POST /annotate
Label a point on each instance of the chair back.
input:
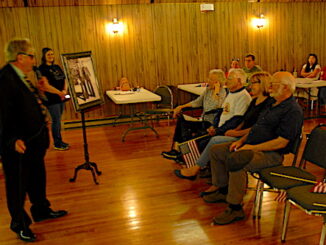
(166, 95)
(314, 151)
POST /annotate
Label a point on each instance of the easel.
(87, 165)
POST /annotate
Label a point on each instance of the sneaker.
(172, 155)
(65, 144)
(228, 216)
(215, 197)
(61, 148)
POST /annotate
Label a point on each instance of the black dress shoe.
(25, 234)
(49, 215)
(178, 173)
(205, 193)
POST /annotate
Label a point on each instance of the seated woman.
(211, 99)
(235, 64)
(259, 91)
(309, 72)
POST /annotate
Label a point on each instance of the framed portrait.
(84, 88)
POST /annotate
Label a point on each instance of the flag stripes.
(319, 187)
(190, 153)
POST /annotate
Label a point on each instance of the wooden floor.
(140, 201)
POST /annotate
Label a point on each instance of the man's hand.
(20, 146)
(211, 131)
(43, 84)
(236, 145)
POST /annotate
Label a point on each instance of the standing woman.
(55, 104)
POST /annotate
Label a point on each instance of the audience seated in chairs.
(264, 146)
(260, 83)
(210, 100)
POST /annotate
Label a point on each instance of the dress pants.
(25, 173)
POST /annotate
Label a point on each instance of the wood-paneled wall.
(171, 43)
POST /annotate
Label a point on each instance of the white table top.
(192, 88)
(307, 83)
(130, 97)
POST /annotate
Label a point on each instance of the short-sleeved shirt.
(236, 104)
(253, 112)
(311, 70)
(283, 120)
(253, 70)
(209, 101)
(56, 78)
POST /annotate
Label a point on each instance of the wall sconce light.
(259, 22)
(115, 27)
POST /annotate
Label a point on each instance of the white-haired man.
(235, 103)
(24, 139)
(269, 139)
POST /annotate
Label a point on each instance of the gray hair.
(238, 73)
(219, 73)
(286, 78)
(16, 46)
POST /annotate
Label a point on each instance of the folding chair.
(311, 203)
(276, 183)
(165, 106)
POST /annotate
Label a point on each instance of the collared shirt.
(21, 75)
(283, 120)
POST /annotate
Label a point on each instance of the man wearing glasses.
(250, 66)
(24, 140)
(269, 139)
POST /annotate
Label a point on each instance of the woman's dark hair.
(308, 69)
(44, 51)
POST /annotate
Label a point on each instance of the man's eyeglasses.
(32, 56)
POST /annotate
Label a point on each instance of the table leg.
(144, 121)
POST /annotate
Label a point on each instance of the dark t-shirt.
(253, 112)
(56, 78)
(283, 120)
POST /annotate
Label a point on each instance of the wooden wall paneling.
(160, 41)
(146, 59)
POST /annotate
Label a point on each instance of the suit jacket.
(20, 114)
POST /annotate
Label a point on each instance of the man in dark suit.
(24, 140)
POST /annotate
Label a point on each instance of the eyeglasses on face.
(32, 56)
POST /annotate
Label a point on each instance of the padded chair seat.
(304, 198)
(281, 182)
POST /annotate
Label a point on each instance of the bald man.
(269, 139)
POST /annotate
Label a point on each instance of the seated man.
(250, 67)
(264, 146)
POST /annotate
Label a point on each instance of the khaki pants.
(230, 168)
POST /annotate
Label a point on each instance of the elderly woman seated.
(210, 100)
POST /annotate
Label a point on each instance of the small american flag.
(319, 187)
(281, 196)
(190, 152)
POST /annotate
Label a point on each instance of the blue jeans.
(56, 112)
(204, 157)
